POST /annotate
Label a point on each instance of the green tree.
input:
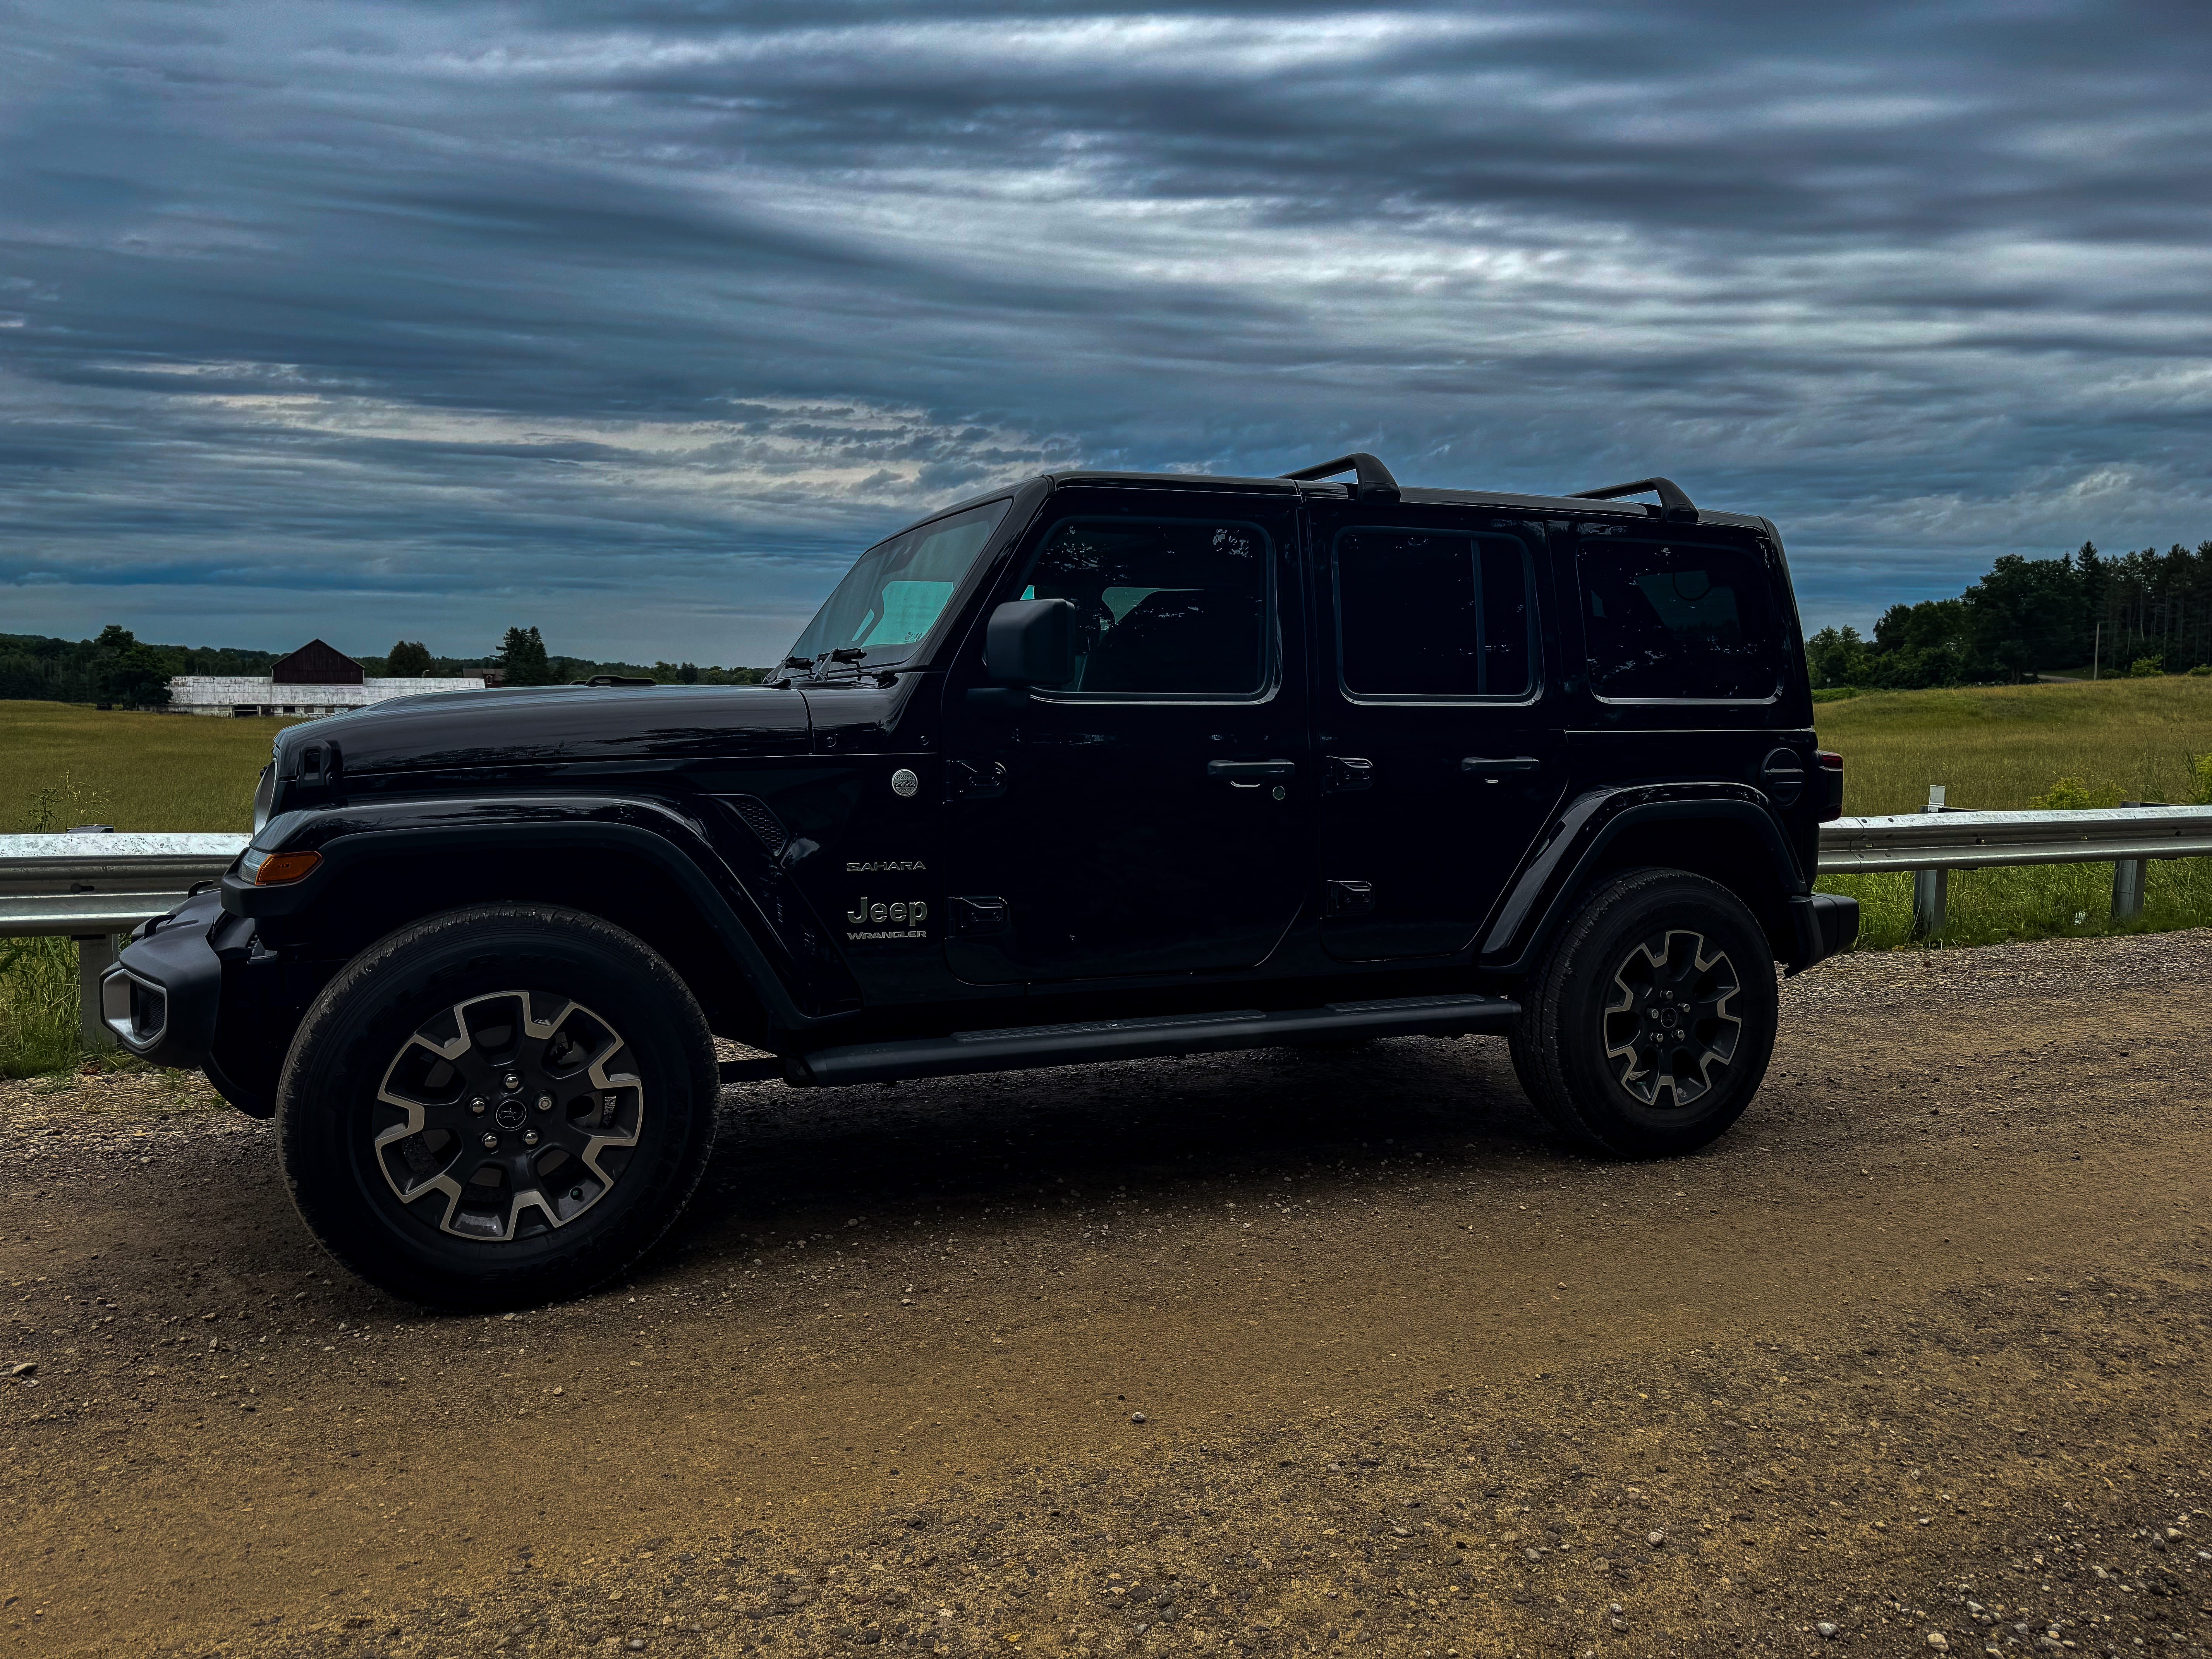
(1837, 657)
(126, 673)
(522, 658)
(410, 661)
(2028, 614)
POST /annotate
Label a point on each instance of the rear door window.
(1666, 622)
(1431, 613)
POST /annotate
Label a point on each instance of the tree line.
(116, 667)
(119, 669)
(2139, 613)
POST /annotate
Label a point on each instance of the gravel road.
(1269, 1353)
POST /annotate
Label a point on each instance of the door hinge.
(1351, 899)
(974, 780)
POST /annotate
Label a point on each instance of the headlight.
(265, 797)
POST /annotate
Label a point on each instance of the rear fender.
(1726, 831)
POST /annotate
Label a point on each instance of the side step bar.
(1020, 1048)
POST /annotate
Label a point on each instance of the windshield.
(894, 592)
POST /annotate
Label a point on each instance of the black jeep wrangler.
(1100, 767)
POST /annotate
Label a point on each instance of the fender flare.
(1536, 902)
(348, 837)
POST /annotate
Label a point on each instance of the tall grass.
(38, 1007)
(2003, 748)
(2000, 747)
(71, 764)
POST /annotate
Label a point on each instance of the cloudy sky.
(632, 321)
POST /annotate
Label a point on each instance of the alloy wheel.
(507, 1115)
(1669, 1025)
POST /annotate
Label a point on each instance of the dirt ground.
(1262, 1354)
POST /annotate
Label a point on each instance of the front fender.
(1576, 846)
(788, 983)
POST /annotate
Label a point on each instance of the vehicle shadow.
(1152, 1129)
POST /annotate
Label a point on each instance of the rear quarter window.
(1679, 622)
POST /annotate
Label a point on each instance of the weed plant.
(38, 1007)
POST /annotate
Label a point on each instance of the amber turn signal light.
(280, 867)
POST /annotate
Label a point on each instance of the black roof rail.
(1673, 503)
(1373, 479)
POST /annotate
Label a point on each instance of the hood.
(541, 726)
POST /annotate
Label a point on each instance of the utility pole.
(2096, 650)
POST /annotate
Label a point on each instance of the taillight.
(1832, 784)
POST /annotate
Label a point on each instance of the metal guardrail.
(86, 884)
(1945, 840)
(91, 888)
(1933, 843)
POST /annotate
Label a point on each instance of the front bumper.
(162, 995)
(1825, 925)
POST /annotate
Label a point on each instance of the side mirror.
(1031, 642)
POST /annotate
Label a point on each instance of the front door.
(1153, 815)
(1438, 770)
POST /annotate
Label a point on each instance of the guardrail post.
(2128, 884)
(1931, 889)
(94, 953)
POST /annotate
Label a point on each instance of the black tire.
(580, 1041)
(1647, 1024)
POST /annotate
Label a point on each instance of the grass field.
(1996, 748)
(1992, 747)
(70, 764)
(2002, 746)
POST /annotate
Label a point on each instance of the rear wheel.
(497, 1105)
(1647, 1024)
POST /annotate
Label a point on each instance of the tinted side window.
(1431, 613)
(1164, 606)
(1670, 620)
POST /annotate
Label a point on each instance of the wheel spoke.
(1666, 1023)
(517, 1109)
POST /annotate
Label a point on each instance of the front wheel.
(498, 1105)
(1647, 1027)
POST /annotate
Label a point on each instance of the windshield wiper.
(820, 668)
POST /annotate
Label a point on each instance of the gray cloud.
(634, 320)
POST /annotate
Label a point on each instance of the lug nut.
(514, 1081)
(477, 1105)
(544, 1103)
(490, 1142)
(530, 1137)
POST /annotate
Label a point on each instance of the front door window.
(1164, 608)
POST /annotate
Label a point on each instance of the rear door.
(1153, 816)
(1437, 769)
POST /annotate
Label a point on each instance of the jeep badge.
(905, 783)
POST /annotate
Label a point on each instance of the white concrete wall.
(219, 693)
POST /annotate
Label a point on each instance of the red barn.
(317, 664)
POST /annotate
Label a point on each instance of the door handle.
(1347, 773)
(1246, 774)
(1492, 770)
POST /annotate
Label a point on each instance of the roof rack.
(1372, 481)
(1673, 503)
